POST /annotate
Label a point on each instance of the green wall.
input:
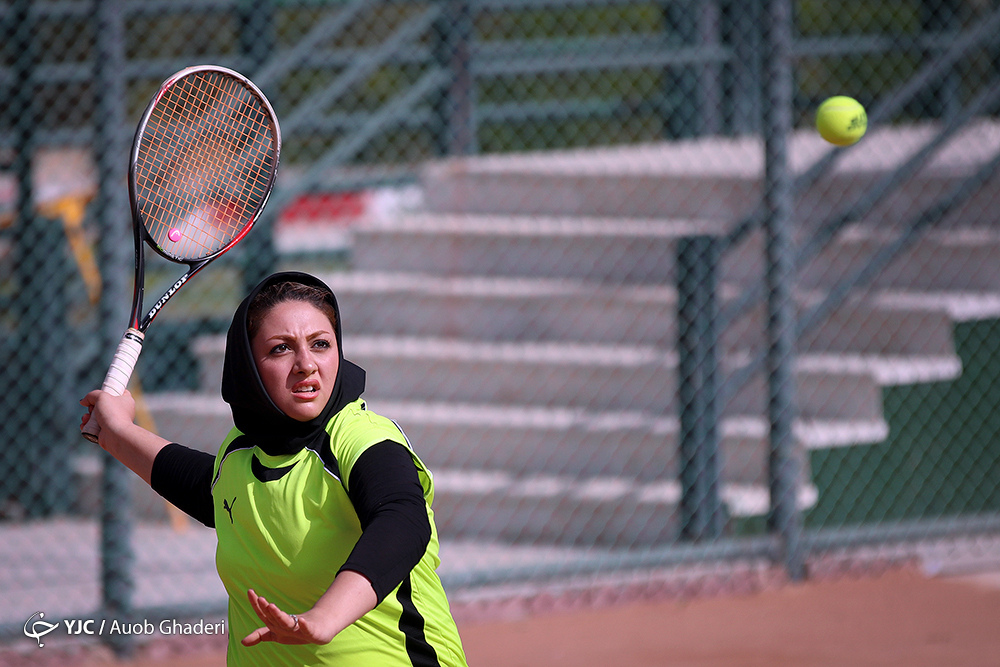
(942, 456)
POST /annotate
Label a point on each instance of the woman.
(327, 545)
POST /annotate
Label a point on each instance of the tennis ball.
(841, 120)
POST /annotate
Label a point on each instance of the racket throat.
(166, 297)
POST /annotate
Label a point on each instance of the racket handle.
(119, 373)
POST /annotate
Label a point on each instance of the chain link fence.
(630, 309)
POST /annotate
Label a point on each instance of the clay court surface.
(900, 618)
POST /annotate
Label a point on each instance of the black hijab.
(254, 413)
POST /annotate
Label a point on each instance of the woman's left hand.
(282, 627)
(349, 597)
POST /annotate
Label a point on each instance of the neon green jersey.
(286, 525)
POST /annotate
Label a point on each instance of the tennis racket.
(203, 163)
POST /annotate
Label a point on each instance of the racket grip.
(116, 381)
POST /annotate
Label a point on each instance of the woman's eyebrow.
(290, 336)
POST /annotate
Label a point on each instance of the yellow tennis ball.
(841, 120)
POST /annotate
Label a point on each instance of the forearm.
(134, 447)
(350, 597)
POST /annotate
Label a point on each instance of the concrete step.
(512, 309)
(504, 309)
(594, 377)
(590, 376)
(941, 260)
(611, 250)
(528, 439)
(948, 260)
(961, 306)
(604, 511)
(868, 324)
(643, 251)
(716, 178)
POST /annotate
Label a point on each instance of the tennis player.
(327, 544)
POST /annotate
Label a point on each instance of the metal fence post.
(697, 315)
(117, 561)
(785, 518)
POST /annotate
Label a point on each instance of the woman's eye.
(322, 343)
(279, 348)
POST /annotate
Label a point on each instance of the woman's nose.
(305, 362)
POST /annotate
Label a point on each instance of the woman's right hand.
(113, 413)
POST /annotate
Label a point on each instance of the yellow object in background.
(72, 211)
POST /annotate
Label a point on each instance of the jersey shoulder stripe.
(325, 453)
(239, 443)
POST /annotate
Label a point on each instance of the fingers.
(279, 626)
(257, 636)
(110, 408)
(266, 611)
(90, 400)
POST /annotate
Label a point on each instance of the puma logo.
(229, 508)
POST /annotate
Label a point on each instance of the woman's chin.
(303, 411)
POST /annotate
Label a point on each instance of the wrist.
(350, 597)
(322, 624)
(116, 434)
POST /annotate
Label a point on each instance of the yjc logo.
(39, 628)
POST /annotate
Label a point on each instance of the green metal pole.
(697, 314)
(785, 518)
(115, 258)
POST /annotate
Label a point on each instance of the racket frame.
(126, 356)
(142, 234)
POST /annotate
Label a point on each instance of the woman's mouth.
(305, 390)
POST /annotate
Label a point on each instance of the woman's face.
(297, 358)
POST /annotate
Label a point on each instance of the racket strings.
(213, 153)
(204, 164)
